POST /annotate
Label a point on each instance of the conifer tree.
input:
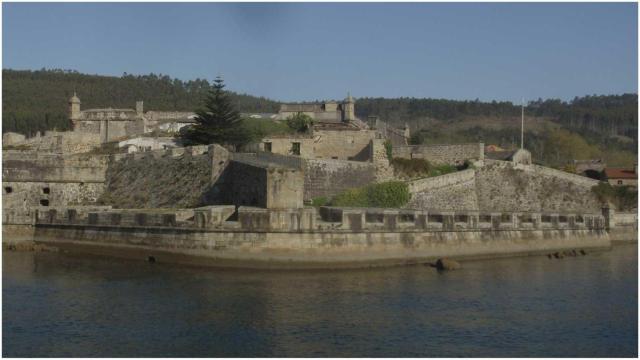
(218, 122)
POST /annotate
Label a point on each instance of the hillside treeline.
(602, 116)
(37, 100)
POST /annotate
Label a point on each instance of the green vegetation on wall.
(391, 194)
(624, 198)
(299, 122)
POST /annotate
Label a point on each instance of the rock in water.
(447, 264)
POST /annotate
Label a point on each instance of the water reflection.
(62, 305)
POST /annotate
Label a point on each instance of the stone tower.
(349, 108)
(74, 109)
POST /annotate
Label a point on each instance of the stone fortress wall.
(505, 186)
(455, 191)
(202, 175)
(308, 238)
(441, 154)
(31, 179)
(328, 177)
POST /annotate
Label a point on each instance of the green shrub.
(622, 197)
(388, 146)
(391, 194)
(300, 122)
(442, 169)
(319, 201)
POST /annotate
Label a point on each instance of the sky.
(309, 51)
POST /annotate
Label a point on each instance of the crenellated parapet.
(324, 219)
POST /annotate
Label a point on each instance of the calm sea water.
(62, 305)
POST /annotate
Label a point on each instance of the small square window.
(44, 202)
(619, 182)
(8, 189)
(46, 190)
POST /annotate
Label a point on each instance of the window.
(8, 189)
(46, 190)
(267, 147)
(295, 148)
(619, 182)
(44, 202)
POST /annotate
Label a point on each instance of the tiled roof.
(620, 173)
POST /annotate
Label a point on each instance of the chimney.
(139, 108)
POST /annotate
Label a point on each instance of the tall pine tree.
(219, 122)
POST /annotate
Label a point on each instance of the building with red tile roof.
(621, 176)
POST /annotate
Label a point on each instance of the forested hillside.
(556, 131)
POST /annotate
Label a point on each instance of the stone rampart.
(175, 178)
(324, 177)
(441, 154)
(437, 182)
(573, 178)
(298, 238)
(454, 191)
(33, 166)
(503, 186)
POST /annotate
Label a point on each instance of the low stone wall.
(324, 177)
(625, 219)
(625, 227)
(441, 154)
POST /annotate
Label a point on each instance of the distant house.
(622, 177)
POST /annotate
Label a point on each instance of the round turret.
(349, 99)
(74, 99)
(348, 107)
(74, 108)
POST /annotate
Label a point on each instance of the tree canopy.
(218, 122)
(299, 122)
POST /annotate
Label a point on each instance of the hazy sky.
(289, 51)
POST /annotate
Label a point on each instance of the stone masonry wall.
(501, 186)
(441, 154)
(330, 177)
(18, 166)
(179, 178)
(455, 191)
(343, 144)
(25, 195)
(30, 179)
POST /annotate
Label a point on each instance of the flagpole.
(522, 127)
